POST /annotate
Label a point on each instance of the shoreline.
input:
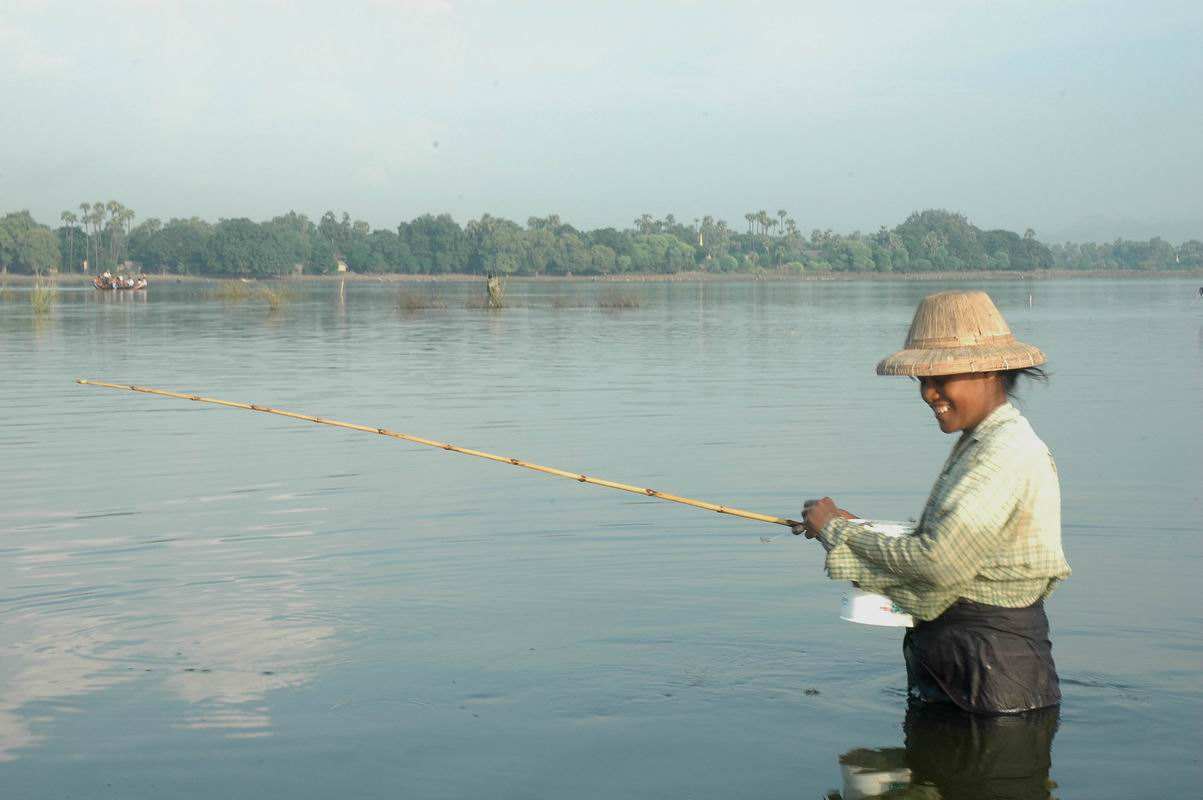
(676, 277)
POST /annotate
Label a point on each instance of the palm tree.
(762, 218)
(781, 215)
(69, 221)
(84, 211)
(98, 213)
(720, 236)
(114, 209)
(127, 224)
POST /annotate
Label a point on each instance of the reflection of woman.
(987, 550)
(971, 756)
(958, 755)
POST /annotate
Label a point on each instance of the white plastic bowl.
(875, 609)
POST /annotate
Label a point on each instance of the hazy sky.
(1074, 118)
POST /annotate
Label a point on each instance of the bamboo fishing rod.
(576, 476)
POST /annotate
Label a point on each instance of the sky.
(1081, 120)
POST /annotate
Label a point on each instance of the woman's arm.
(958, 535)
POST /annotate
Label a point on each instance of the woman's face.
(960, 402)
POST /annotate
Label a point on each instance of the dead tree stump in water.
(496, 292)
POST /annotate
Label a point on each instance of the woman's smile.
(945, 416)
(960, 402)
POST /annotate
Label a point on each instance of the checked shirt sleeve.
(844, 565)
(957, 536)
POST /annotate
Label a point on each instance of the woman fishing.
(987, 549)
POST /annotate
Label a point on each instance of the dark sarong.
(985, 659)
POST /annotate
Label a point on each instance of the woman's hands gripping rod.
(816, 514)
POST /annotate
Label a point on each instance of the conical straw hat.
(955, 332)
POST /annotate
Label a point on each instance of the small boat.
(108, 282)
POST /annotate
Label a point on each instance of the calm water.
(202, 602)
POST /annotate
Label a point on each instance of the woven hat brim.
(919, 362)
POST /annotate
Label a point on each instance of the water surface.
(200, 602)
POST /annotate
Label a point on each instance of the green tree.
(858, 255)
(40, 250)
(180, 246)
(438, 244)
(498, 246)
(241, 247)
(604, 259)
(85, 216)
(26, 246)
(321, 256)
(647, 224)
(1190, 254)
(389, 252)
(112, 227)
(69, 222)
(571, 255)
(540, 248)
(91, 249)
(945, 239)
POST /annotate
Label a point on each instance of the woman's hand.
(817, 513)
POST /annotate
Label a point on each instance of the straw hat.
(955, 332)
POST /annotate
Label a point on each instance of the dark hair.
(1010, 377)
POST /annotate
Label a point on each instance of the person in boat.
(987, 550)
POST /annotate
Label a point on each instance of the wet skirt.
(985, 659)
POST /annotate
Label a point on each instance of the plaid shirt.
(990, 532)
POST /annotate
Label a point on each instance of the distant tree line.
(1155, 254)
(104, 236)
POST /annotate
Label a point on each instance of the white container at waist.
(875, 609)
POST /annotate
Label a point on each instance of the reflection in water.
(233, 627)
(70, 657)
(957, 756)
(45, 670)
